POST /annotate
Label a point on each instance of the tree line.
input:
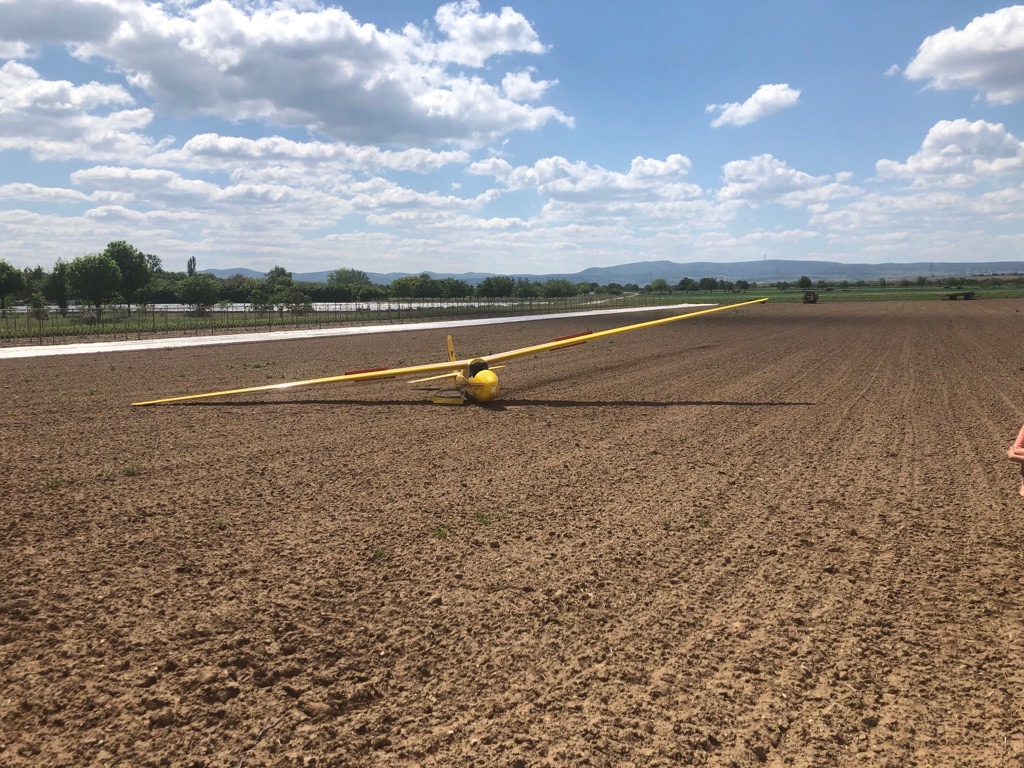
(124, 275)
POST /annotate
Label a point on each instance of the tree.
(707, 284)
(526, 288)
(295, 300)
(804, 283)
(56, 288)
(37, 306)
(12, 283)
(35, 278)
(660, 285)
(190, 266)
(496, 286)
(135, 273)
(278, 278)
(199, 292)
(557, 288)
(453, 288)
(347, 276)
(278, 290)
(95, 278)
(687, 285)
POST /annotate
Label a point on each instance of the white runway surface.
(10, 353)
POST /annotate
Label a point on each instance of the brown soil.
(786, 536)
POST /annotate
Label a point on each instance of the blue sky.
(533, 137)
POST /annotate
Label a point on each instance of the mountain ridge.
(643, 272)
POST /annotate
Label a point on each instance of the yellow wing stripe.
(582, 339)
(390, 373)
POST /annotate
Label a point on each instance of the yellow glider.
(474, 376)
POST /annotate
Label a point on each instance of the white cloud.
(959, 152)
(34, 193)
(938, 220)
(296, 64)
(232, 152)
(764, 178)
(52, 119)
(520, 86)
(14, 50)
(557, 177)
(986, 55)
(766, 100)
(474, 38)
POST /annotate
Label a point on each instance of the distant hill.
(643, 272)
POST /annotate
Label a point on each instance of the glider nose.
(483, 387)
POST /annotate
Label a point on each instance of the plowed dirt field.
(783, 536)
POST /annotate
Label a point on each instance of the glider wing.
(372, 375)
(445, 368)
(583, 338)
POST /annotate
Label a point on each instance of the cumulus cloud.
(55, 119)
(986, 55)
(34, 193)
(473, 37)
(14, 50)
(764, 178)
(233, 153)
(766, 100)
(959, 152)
(520, 86)
(291, 63)
(557, 177)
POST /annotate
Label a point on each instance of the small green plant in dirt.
(132, 470)
(666, 523)
(220, 524)
(441, 532)
(381, 555)
(483, 518)
(704, 521)
(52, 483)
